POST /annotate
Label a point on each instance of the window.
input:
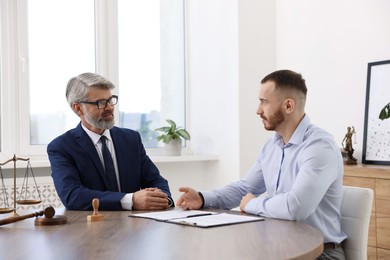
(151, 65)
(138, 45)
(58, 48)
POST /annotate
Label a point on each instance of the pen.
(187, 223)
(199, 215)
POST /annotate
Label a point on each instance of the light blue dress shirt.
(303, 181)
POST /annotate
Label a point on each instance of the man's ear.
(289, 105)
(77, 109)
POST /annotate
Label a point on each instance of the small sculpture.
(347, 145)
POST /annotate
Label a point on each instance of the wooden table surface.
(122, 237)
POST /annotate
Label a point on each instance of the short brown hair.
(287, 80)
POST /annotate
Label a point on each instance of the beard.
(99, 122)
(272, 122)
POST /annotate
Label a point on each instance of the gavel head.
(49, 212)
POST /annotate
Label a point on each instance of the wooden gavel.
(49, 212)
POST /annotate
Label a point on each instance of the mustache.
(109, 113)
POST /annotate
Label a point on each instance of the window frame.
(15, 107)
(9, 68)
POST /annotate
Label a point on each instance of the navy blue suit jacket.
(78, 173)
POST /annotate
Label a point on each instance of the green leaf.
(385, 112)
(163, 129)
(167, 138)
(172, 123)
(183, 133)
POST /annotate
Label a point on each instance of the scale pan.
(6, 210)
(28, 202)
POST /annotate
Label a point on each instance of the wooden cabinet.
(378, 179)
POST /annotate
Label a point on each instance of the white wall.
(212, 84)
(331, 42)
(256, 20)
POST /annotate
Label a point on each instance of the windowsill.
(44, 163)
(184, 158)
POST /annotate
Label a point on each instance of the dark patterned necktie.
(109, 166)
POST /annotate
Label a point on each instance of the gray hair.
(77, 88)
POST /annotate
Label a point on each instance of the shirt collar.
(298, 134)
(96, 137)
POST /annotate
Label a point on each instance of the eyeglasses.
(102, 103)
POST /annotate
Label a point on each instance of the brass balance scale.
(49, 212)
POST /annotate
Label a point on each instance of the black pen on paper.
(188, 223)
(199, 215)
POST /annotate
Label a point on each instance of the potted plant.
(172, 136)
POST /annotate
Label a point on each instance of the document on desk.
(198, 218)
(172, 214)
(215, 220)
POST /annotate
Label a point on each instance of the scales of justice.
(49, 217)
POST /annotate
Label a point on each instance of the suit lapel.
(85, 142)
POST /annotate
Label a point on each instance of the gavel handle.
(18, 218)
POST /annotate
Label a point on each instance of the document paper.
(172, 214)
(198, 218)
(215, 220)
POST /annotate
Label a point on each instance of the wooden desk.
(122, 237)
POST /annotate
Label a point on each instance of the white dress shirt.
(127, 200)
